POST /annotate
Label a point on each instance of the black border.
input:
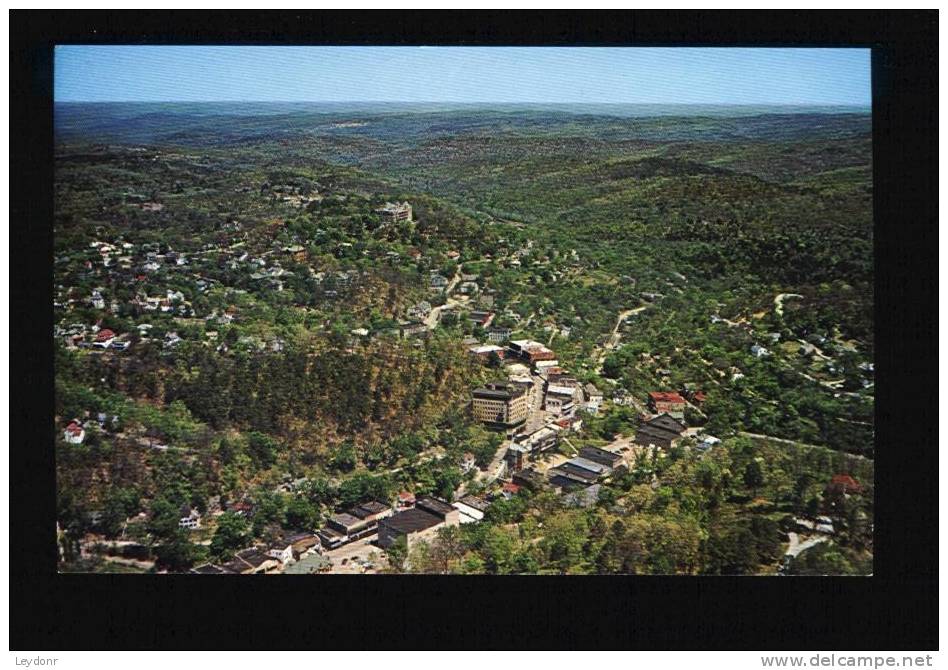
(895, 609)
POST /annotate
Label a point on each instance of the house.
(98, 302)
(471, 509)
(190, 518)
(662, 431)
(486, 351)
(500, 404)
(392, 212)
(282, 550)
(759, 351)
(420, 310)
(575, 473)
(531, 351)
(843, 484)
(251, 562)
(468, 462)
(662, 402)
(509, 490)
(594, 396)
(243, 508)
(405, 500)
(558, 402)
(74, 433)
(421, 522)
(498, 335)
(437, 282)
(601, 456)
(103, 339)
(412, 328)
(480, 318)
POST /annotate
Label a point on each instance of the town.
(313, 369)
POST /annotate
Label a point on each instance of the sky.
(639, 75)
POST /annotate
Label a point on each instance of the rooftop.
(412, 520)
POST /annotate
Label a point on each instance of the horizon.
(465, 75)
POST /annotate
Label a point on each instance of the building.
(418, 523)
(437, 282)
(500, 404)
(372, 512)
(844, 484)
(531, 351)
(576, 471)
(486, 351)
(406, 500)
(392, 212)
(471, 509)
(420, 310)
(498, 335)
(558, 402)
(593, 398)
(601, 456)
(251, 562)
(468, 462)
(357, 522)
(670, 402)
(103, 338)
(414, 328)
(74, 433)
(539, 440)
(190, 518)
(662, 431)
(282, 551)
(480, 318)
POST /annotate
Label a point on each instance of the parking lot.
(350, 559)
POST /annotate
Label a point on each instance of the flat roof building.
(500, 404)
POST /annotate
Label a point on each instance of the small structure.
(74, 433)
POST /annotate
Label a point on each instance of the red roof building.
(844, 484)
(666, 402)
(104, 335)
(510, 487)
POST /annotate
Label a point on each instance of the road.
(781, 440)
(778, 301)
(615, 337)
(797, 547)
(431, 321)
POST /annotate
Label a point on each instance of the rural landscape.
(366, 338)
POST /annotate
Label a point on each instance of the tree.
(233, 533)
(301, 514)
(753, 475)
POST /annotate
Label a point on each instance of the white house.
(190, 518)
(74, 433)
(282, 552)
